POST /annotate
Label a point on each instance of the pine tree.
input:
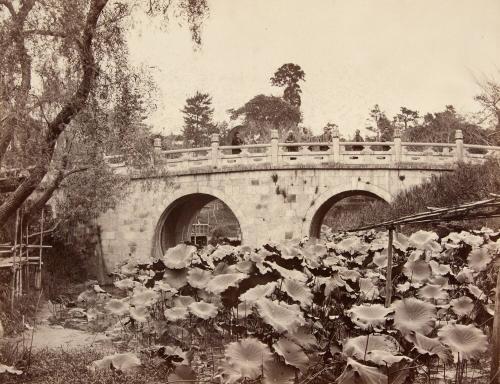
(380, 125)
(198, 120)
(288, 76)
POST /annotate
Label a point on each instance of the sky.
(421, 54)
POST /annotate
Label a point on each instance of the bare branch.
(76, 170)
(40, 104)
(47, 230)
(46, 32)
(9, 6)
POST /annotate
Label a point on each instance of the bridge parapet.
(320, 153)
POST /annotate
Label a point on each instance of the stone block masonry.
(151, 219)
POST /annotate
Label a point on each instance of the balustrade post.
(214, 144)
(335, 145)
(274, 146)
(397, 145)
(459, 142)
(156, 150)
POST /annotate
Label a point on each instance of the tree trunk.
(72, 107)
(45, 196)
(17, 198)
(498, 119)
(6, 137)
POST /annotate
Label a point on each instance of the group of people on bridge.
(238, 141)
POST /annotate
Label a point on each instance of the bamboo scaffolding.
(38, 274)
(467, 211)
(27, 265)
(14, 272)
(25, 258)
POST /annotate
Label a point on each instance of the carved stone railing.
(320, 153)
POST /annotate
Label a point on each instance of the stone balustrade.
(276, 154)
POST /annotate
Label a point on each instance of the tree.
(129, 112)
(489, 99)
(222, 128)
(288, 76)
(406, 118)
(263, 113)
(381, 125)
(61, 60)
(198, 120)
(80, 183)
(440, 127)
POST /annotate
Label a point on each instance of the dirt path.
(56, 336)
(47, 336)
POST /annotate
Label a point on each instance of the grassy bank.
(64, 367)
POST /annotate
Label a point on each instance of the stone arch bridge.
(275, 190)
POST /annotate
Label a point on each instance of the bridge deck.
(330, 155)
(160, 171)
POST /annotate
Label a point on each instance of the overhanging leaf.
(357, 373)
(292, 353)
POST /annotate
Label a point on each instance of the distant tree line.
(262, 113)
(431, 127)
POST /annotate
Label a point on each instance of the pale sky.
(422, 54)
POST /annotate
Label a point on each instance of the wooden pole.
(21, 248)
(388, 276)
(14, 271)
(27, 266)
(99, 259)
(38, 278)
(495, 350)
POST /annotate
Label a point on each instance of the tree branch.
(24, 58)
(76, 170)
(74, 105)
(6, 130)
(47, 32)
(6, 137)
(9, 6)
(47, 193)
(52, 229)
(49, 190)
(77, 101)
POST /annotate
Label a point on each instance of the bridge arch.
(317, 211)
(178, 212)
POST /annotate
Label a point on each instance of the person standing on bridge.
(290, 138)
(358, 138)
(237, 141)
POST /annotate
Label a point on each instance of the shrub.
(468, 182)
(24, 308)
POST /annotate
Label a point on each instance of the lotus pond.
(308, 311)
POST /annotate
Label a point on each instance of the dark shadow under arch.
(174, 226)
(319, 215)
